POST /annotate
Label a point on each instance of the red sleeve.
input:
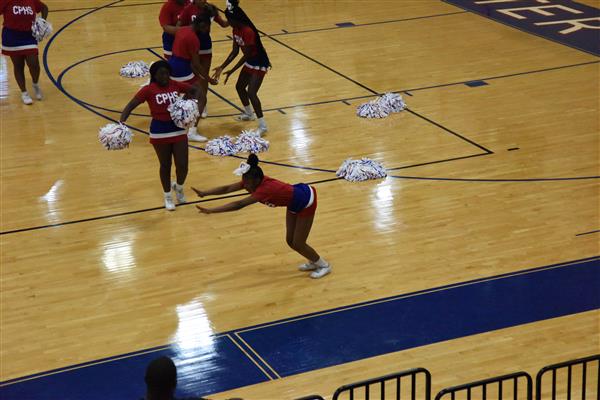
(143, 93)
(165, 14)
(182, 87)
(37, 5)
(248, 36)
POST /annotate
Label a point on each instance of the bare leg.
(19, 71)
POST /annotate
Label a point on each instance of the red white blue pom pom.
(371, 109)
(221, 146)
(251, 142)
(41, 29)
(135, 69)
(115, 136)
(184, 113)
(392, 102)
(382, 106)
(361, 170)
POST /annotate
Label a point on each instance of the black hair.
(255, 172)
(156, 66)
(234, 12)
(161, 376)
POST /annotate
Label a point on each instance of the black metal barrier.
(574, 387)
(375, 388)
(499, 388)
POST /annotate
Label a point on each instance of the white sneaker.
(195, 137)
(261, 130)
(204, 113)
(178, 193)
(26, 98)
(245, 117)
(320, 272)
(307, 266)
(38, 92)
(169, 205)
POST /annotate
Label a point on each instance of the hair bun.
(252, 160)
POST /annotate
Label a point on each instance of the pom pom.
(221, 146)
(115, 136)
(135, 69)
(251, 142)
(41, 29)
(371, 109)
(391, 102)
(184, 112)
(361, 170)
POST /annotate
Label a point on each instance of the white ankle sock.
(262, 123)
(321, 263)
(167, 194)
(192, 130)
(178, 187)
(248, 109)
(36, 86)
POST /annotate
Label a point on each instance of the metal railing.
(389, 387)
(574, 387)
(501, 387)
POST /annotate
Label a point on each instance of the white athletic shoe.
(169, 205)
(261, 130)
(245, 117)
(26, 98)
(195, 137)
(307, 266)
(38, 92)
(320, 272)
(178, 193)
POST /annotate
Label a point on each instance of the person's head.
(237, 18)
(235, 15)
(160, 72)
(201, 23)
(254, 176)
(161, 379)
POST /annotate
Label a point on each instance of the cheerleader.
(187, 16)
(255, 61)
(300, 200)
(186, 64)
(19, 44)
(168, 21)
(168, 140)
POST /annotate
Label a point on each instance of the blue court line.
(476, 83)
(337, 336)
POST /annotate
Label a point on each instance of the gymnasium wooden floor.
(487, 180)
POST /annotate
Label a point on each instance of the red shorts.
(310, 211)
(253, 71)
(173, 139)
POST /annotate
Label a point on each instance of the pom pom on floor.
(115, 136)
(391, 102)
(371, 109)
(251, 142)
(382, 106)
(361, 170)
(135, 69)
(41, 29)
(221, 146)
(184, 112)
